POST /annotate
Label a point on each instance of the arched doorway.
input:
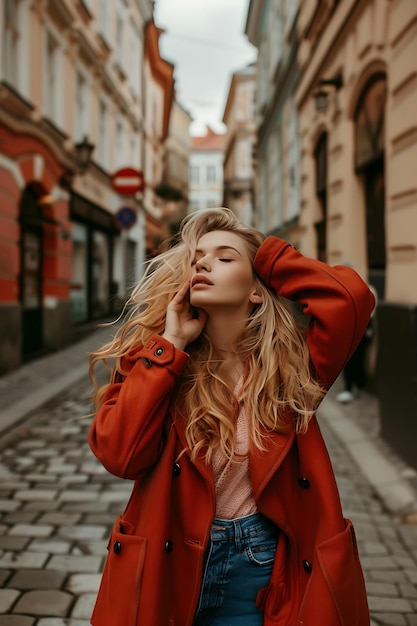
(31, 272)
(320, 156)
(369, 165)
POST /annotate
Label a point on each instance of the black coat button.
(168, 545)
(176, 469)
(304, 482)
(307, 566)
(117, 548)
(159, 352)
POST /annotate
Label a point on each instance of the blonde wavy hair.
(278, 390)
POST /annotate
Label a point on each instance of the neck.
(224, 331)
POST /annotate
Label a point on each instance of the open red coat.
(153, 572)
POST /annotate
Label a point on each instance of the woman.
(234, 516)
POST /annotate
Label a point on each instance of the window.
(119, 143)
(81, 108)
(102, 135)
(11, 41)
(79, 284)
(103, 18)
(194, 174)
(135, 60)
(119, 39)
(211, 174)
(51, 77)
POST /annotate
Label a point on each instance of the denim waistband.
(241, 527)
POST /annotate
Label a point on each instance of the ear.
(255, 298)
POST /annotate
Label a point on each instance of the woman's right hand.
(181, 324)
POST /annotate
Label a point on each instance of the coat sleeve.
(126, 434)
(337, 299)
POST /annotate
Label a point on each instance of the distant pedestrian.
(235, 517)
(355, 375)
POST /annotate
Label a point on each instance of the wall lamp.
(83, 152)
(321, 96)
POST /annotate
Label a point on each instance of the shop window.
(100, 268)
(79, 282)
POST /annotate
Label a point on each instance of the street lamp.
(321, 97)
(83, 151)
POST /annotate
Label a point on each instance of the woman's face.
(222, 274)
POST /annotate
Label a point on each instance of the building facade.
(206, 171)
(69, 72)
(354, 94)
(239, 118)
(271, 27)
(357, 98)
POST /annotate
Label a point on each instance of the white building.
(206, 171)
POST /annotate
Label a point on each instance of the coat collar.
(262, 463)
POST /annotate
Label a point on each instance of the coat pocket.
(336, 592)
(118, 596)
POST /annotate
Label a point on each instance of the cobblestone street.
(57, 507)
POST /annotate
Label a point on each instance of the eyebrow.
(218, 248)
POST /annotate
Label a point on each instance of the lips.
(199, 279)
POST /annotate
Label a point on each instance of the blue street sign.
(126, 217)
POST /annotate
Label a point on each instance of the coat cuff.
(160, 351)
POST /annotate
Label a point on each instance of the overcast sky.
(205, 41)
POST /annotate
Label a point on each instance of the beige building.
(69, 71)
(239, 118)
(174, 188)
(355, 97)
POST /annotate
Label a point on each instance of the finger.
(182, 292)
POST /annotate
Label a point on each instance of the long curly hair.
(278, 391)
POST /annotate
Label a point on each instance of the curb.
(398, 495)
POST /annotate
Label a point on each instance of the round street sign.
(127, 181)
(126, 217)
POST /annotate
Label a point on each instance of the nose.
(202, 264)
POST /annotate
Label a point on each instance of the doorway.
(31, 274)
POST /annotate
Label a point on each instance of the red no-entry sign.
(127, 181)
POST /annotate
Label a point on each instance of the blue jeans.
(238, 564)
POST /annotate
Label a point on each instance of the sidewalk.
(35, 383)
(356, 425)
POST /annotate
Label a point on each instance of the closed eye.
(226, 260)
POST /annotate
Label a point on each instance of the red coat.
(154, 568)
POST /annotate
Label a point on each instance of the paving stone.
(4, 575)
(9, 505)
(82, 531)
(48, 621)
(59, 518)
(84, 606)
(390, 619)
(44, 602)
(32, 530)
(42, 506)
(381, 589)
(16, 620)
(7, 598)
(76, 496)
(21, 517)
(393, 605)
(83, 583)
(31, 495)
(13, 543)
(81, 564)
(24, 560)
(53, 546)
(37, 579)
(378, 562)
(91, 547)
(408, 590)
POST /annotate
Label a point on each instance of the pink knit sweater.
(234, 496)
